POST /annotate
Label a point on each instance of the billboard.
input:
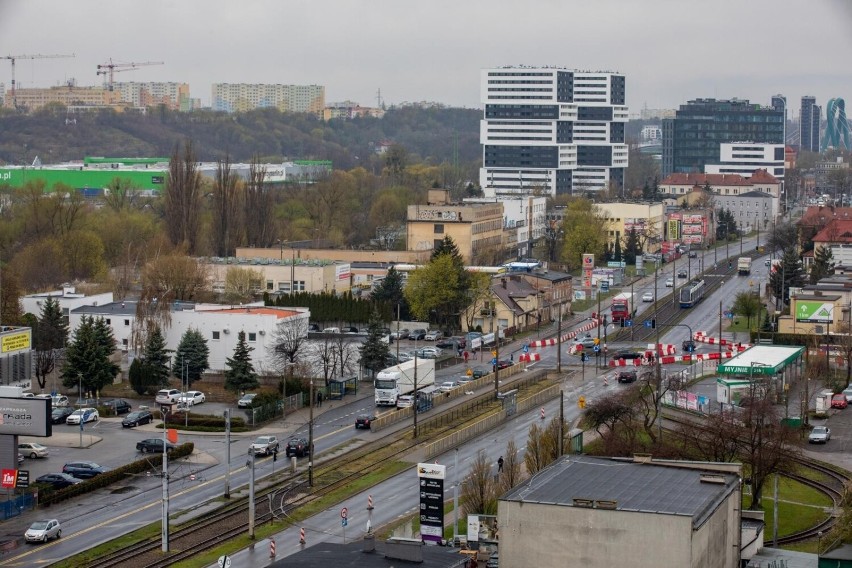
(25, 416)
(814, 312)
(674, 229)
(431, 479)
(481, 528)
(342, 271)
(15, 341)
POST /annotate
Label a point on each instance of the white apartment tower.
(552, 131)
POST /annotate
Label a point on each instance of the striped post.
(272, 548)
(302, 535)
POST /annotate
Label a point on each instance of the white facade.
(527, 215)
(68, 300)
(744, 158)
(751, 210)
(651, 132)
(552, 131)
(220, 326)
(236, 97)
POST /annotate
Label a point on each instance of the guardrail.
(481, 426)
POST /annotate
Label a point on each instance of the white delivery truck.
(744, 266)
(396, 381)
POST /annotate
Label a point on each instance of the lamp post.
(311, 431)
(228, 453)
(164, 532)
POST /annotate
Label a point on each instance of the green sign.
(814, 312)
(746, 370)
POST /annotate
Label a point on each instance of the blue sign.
(596, 348)
(628, 323)
(526, 348)
(344, 522)
(647, 323)
(604, 286)
(494, 361)
(584, 357)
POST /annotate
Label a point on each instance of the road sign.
(224, 562)
(23, 478)
(343, 522)
(581, 402)
(494, 361)
(584, 357)
(628, 323)
(526, 348)
(343, 512)
(647, 323)
(597, 348)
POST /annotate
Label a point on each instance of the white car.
(264, 445)
(33, 450)
(168, 396)
(447, 386)
(669, 282)
(60, 400)
(191, 398)
(42, 531)
(847, 392)
(404, 401)
(83, 415)
(431, 352)
(434, 335)
(648, 297)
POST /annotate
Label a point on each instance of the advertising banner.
(25, 416)
(431, 479)
(482, 528)
(674, 229)
(693, 219)
(814, 312)
(9, 478)
(343, 271)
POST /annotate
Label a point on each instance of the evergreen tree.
(632, 247)
(194, 351)
(766, 327)
(50, 333)
(87, 357)
(374, 351)
(788, 274)
(616, 251)
(823, 265)
(240, 375)
(156, 358)
(141, 380)
(455, 301)
(389, 291)
(448, 246)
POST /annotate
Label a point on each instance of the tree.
(632, 247)
(438, 286)
(616, 251)
(156, 358)
(374, 351)
(227, 207)
(726, 224)
(194, 352)
(240, 375)
(41, 264)
(713, 439)
(782, 237)
(479, 296)
(586, 230)
(747, 305)
(241, 284)
(478, 489)
(511, 474)
(823, 265)
(10, 298)
(259, 206)
(49, 336)
(182, 198)
(390, 291)
(788, 274)
(542, 446)
(288, 343)
(87, 357)
(83, 252)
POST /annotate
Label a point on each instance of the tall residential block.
(692, 139)
(239, 97)
(809, 115)
(552, 131)
(174, 96)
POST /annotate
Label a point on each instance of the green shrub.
(178, 420)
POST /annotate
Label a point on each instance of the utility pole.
(164, 533)
(497, 362)
(251, 494)
(558, 340)
(310, 434)
(561, 423)
(228, 453)
(674, 279)
(416, 396)
(720, 328)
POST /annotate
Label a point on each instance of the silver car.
(43, 531)
(819, 435)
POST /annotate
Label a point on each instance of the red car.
(839, 401)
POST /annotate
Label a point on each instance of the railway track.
(273, 502)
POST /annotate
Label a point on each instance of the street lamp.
(164, 532)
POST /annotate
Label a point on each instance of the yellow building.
(291, 274)
(646, 219)
(34, 99)
(817, 312)
(476, 228)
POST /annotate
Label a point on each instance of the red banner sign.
(9, 479)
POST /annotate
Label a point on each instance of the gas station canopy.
(761, 360)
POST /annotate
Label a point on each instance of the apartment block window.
(252, 337)
(299, 286)
(127, 323)
(284, 287)
(109, 321)
(439, 228)
(270, 285)
(215, 335)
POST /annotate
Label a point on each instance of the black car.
(154, 445)
(681, 274)
(297, 447)
(137, 418)
(364, 420)
(118, 405)
(58, 415)
(693, 254)
(503, 363)
(479, 372)
(626, 356)
(417, 334)
(84, 469)
(628, 376)
(58, 480)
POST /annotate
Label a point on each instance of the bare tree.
(182, 198)
(226, 209)
(478, 489)
(241, 284)
(289, 343)
(511, 474)
(713, 439)
(120, 194)
(542, 446)
(259, 203)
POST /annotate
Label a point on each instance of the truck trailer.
(399, 380)
(744, 266)
(623, 307)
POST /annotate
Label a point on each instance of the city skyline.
(435, 52)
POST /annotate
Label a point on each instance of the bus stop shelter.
(338, 388)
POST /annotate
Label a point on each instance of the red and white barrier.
(663, 348)
(568, 336)
(702, 337)
(669, 359)
(529, 357)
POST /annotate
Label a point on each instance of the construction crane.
(12, 58)
(110, 68)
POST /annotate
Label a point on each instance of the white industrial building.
(744, 158)
(552, 131)
(68, 300)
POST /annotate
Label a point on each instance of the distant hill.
(431, 135)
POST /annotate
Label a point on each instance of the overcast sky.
(670, 50)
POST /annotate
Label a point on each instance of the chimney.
(503, 281)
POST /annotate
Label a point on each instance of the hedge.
(204, 420)
(49, 496)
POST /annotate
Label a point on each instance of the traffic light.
(621, 321)
(275, 455)
(654, 323)
(730, 264)
(604, 322)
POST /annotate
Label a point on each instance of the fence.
(294, 402)
(260, 414)
(14, 507)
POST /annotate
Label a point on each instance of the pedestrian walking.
(500, 465)
(319, 399)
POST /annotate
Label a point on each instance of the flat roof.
(352, 555)
(761, 360)
(631, 486)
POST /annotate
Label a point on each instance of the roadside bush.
(177, 420)
(49, 496)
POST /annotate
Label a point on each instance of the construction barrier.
(664, 348)
(669, 359)
(702, 337)
(529, 357)
(272, 548)
(567, 337)
(302, 535)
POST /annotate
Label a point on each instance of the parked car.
(58, 415)
(627, 376)
(479, 372)
(451, 343)
(417, 334)
(137, 418)
(447, 386)
(433, 335)
(681, 274)
(264, 445)
(400, 334)
(819, 435)
(587, 341)
(297, 447)
(314, 328)
(118, 405)
(84, 469)
(626, 356)
(693, 254)
(503, 364)
(351, 330)
(847, 392)
(167, 396)
(153, 445)
(246, 400)
(430, 352)
(192, 398)
(331, 330)
(669, 282)
(648, 297)
(839, 401)
(43, 531)
(33, 450)
(83, 415)
(58, 480)
(364, 420)
(767, 262)
(60, 400)
(403, 357)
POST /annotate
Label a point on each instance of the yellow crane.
(110, 68)
(13, 58)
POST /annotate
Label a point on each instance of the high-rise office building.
(779, 102)
(836, 126)
(238, 97)
(552, 131)
(809, 124)
(692, 139)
